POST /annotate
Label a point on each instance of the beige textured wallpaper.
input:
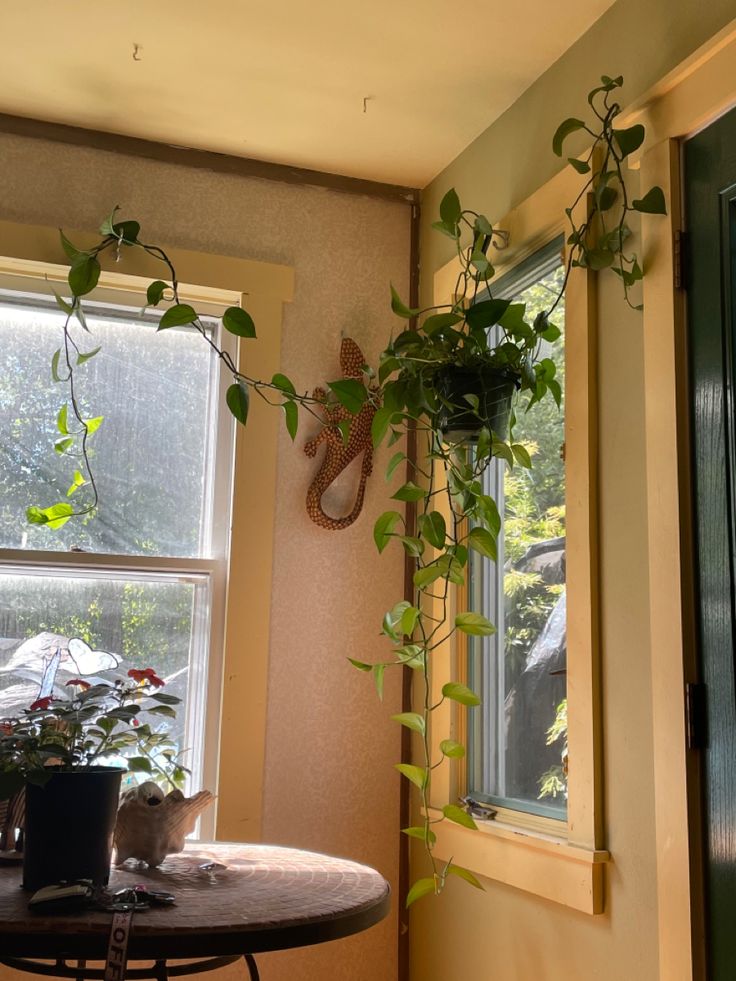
(330, 745)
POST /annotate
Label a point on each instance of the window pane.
(518, 737)
(150, 455)
(147, 621)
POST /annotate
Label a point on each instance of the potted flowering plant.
(69, 754)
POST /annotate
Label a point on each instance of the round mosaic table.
(265, 898)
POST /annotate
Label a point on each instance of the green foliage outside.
(153, 392)
(534, 498)
(553, 782)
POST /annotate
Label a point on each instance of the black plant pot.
(69, 826)
(492, 387)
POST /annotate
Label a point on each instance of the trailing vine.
(599, 241)
(455, 374)
(75, 430)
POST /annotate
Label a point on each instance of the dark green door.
(710, 200)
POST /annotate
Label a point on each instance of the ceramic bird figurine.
(151, 826)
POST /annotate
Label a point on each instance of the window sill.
(541, 864)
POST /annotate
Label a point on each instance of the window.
(517, 737)
(145, 578)
(562, 857)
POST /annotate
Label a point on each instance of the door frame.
(711, 409)
(696, 94)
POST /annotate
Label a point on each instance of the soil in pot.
(493, 388)
(69, 826)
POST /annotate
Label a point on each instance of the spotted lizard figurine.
(340, 454)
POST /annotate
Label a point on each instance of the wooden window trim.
(236, 728)
(559, 860)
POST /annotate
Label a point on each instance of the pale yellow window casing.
(235, 726)
(560, 860)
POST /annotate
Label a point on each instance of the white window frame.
(550, 254)
(203, 707)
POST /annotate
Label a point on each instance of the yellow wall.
(504, 933)
(328, 780)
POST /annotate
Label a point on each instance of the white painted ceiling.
(390, 90)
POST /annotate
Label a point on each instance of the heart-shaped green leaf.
(237, 321)
(653, 202)
(460, 693)
(238, 401)
(474, 624)
(384, 528)
(454, 813)
(177, 316)
(412, 720)
(565, 128)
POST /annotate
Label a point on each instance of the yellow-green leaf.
(420, 888)
(416, 774)
(426, 576)
(460, 693)
(474, 624)
(484, 542)
(412, 720)
(462, 873)
(409, 492)
(455, 750)
(77, 482)
(378, 671)
(422, 833)
(383, 529)
(454, 813)
(409, 620)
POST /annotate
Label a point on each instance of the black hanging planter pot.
(493, 387)
(69, 825)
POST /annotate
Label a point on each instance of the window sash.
(209, 572)
(485, 655)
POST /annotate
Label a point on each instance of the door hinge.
(679, 259)
(695, 716)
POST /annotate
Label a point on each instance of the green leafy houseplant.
(92, 725)
(453, 377)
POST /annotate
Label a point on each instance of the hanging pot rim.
(461, 423)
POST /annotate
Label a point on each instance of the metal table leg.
(160, 971)
(252, 967)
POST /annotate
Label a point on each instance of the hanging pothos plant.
(454, 376)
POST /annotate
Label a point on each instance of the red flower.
(41, 704)
(78, 683)
(146, 676)
(136, 723)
